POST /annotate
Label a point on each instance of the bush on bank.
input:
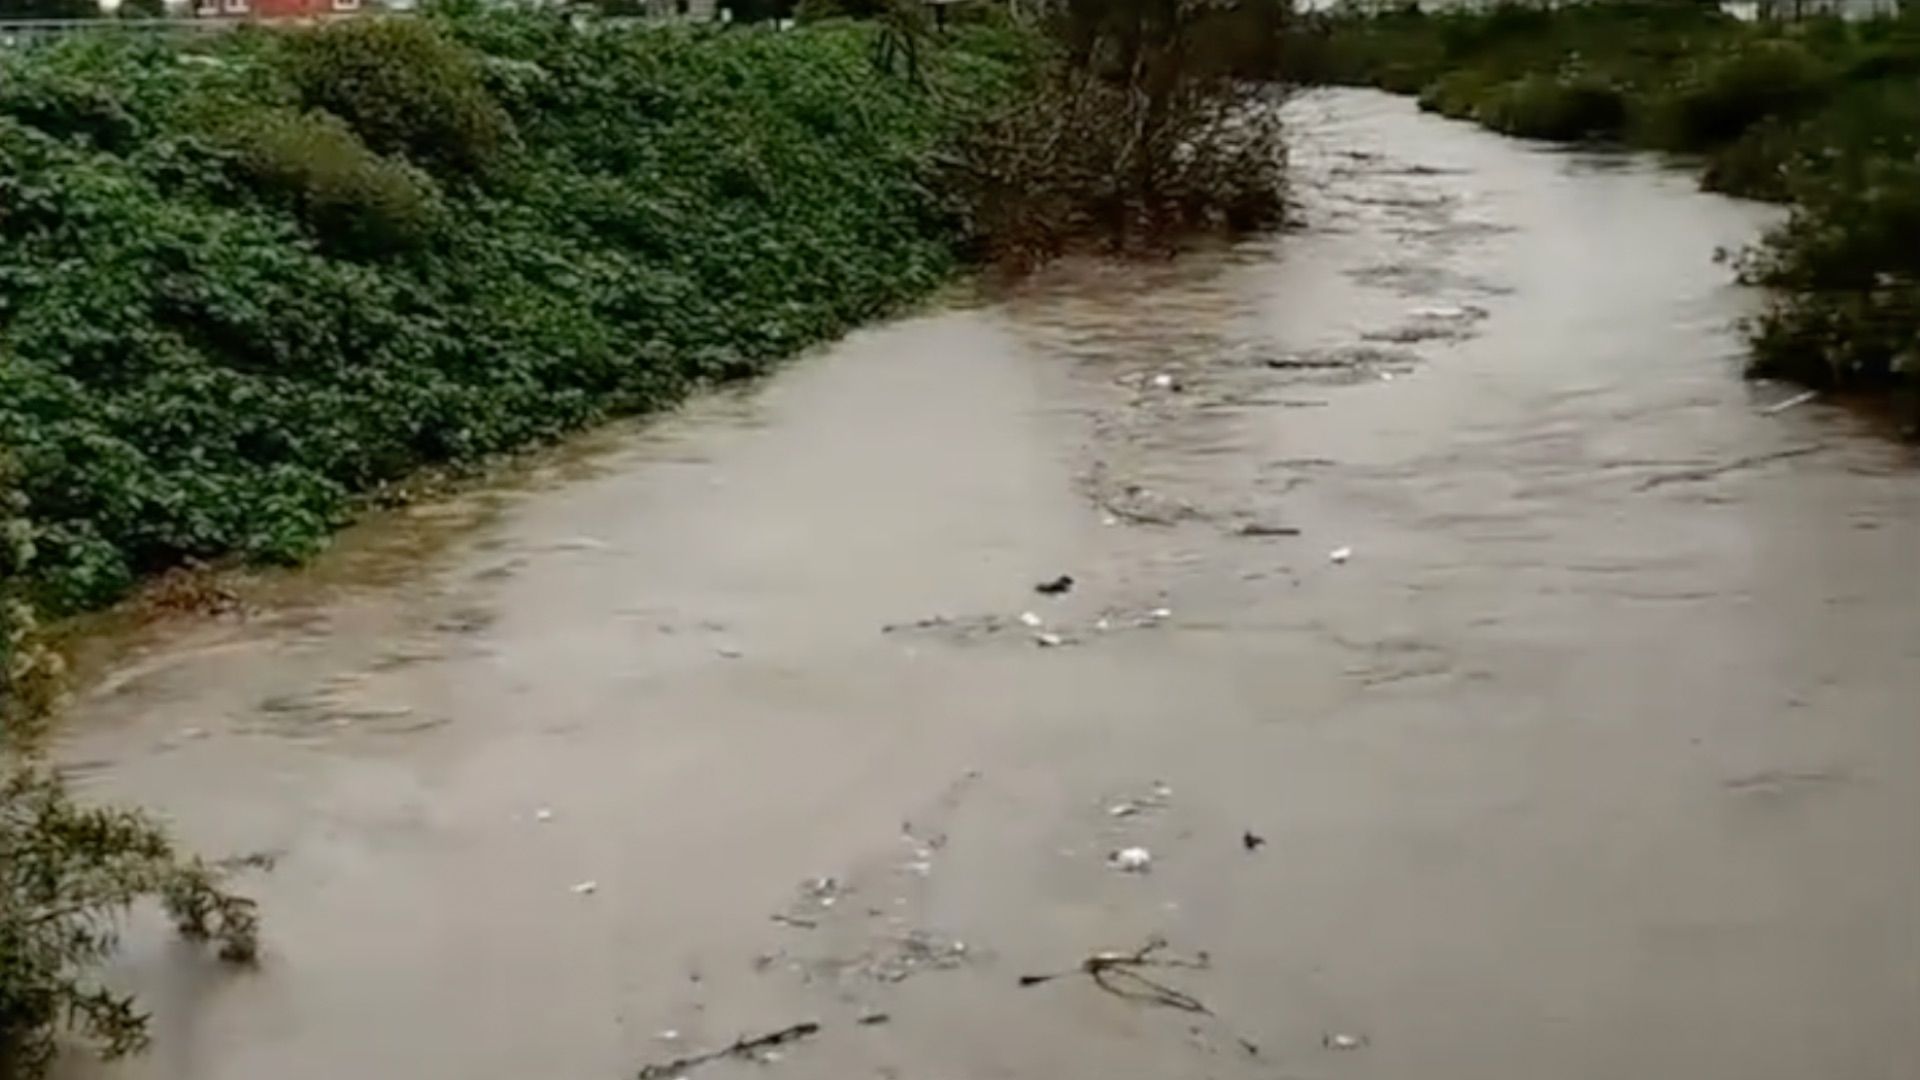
(245, 280)
(1823, 114)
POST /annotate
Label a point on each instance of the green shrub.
(1846, 275)
(1545, 107)
(68, 107)
(1456, 94)
(353, 200)
(405, 88)
(68, 875)
(812, 11)
(1757, 165)
(1403, 78)
(1759, 81)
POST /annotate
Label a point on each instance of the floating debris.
(1340, 554)
(1793, 402)
(822, 890)
(586, 888)
(1059, 586)
(543, 815)
(907, 955)
(1121, 974)
(755, 1048)
(1030, 620)
(1342, 1041)
(1256, 528)
(1133, 860)
(1048, 641)
(1252, 841)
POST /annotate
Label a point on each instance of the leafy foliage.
(406, 89)
(1549, 107)
(70, 874)
(354, 200)
(282, 308)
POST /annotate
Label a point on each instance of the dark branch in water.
(743, 1047)
(1120, 974)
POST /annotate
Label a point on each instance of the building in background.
(274, 9)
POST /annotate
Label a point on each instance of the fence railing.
(14, 32)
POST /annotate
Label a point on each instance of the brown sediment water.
(1596, 754)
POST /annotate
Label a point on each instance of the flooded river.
(1596, 755)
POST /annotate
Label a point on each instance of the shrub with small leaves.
(405, 89)
(69, 874)
(352, 199)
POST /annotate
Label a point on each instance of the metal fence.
(18, 32)
(15, 33)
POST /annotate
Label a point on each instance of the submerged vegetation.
(1821, 113)
(70, 873)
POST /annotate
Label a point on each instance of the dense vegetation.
(244, 280)
(1822, 113)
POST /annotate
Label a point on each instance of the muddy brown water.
(1599, 756)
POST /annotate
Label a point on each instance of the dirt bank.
(1597, 756)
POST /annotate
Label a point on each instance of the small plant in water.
(72, 873)
(69, 873)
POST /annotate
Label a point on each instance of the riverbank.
(1822, 114)
(318, 262)
(1595, 757)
